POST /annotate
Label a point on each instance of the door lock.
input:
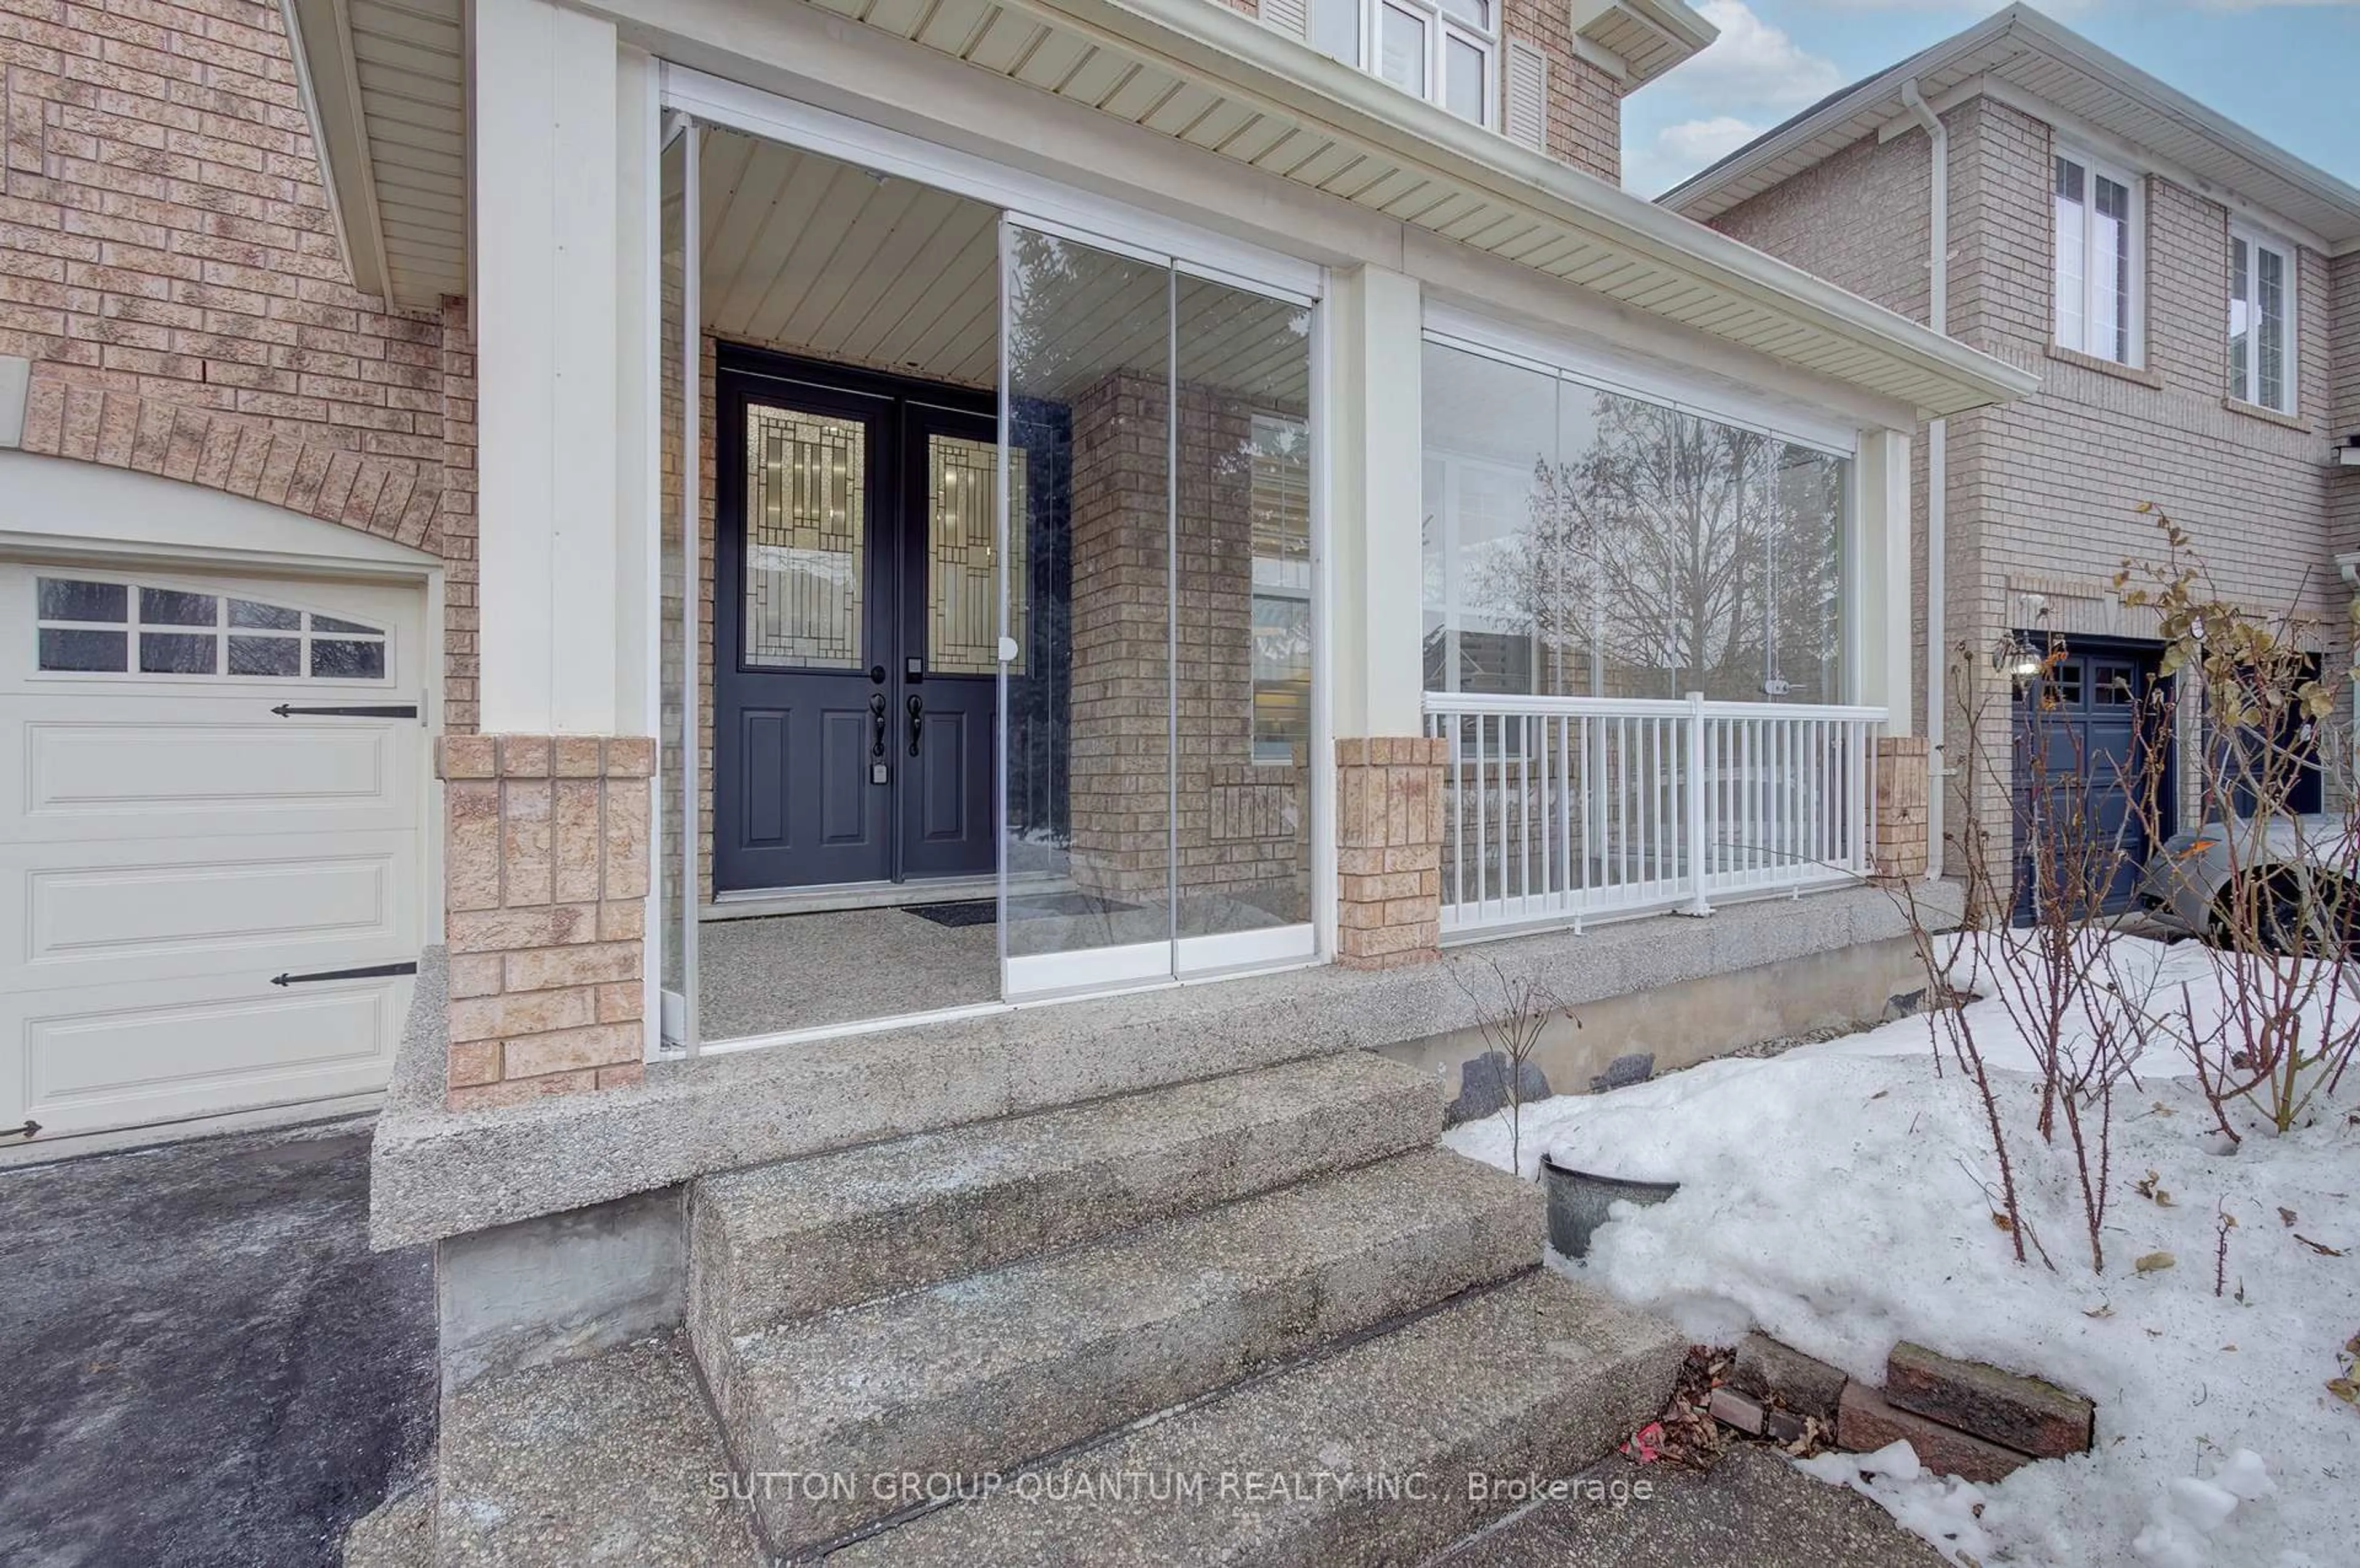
(877, 718)
(917, 721)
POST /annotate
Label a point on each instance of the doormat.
(983, 911)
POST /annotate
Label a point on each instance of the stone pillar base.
(1389, 850)
(1902, 813)
(545, 887)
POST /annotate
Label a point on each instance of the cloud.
(1679, 150)
(1754, 65)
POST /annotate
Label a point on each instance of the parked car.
(2302, 872)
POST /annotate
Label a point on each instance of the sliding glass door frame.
(1177, 955)
(688, 100)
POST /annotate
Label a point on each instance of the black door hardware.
(373, 711)
(370, 972)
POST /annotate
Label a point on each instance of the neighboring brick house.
(2186, 292)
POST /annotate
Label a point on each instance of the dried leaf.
(2101, 1311)
(2155, 1261)
(2344, 1390)
(2286, 1216)
(2001, 1222)
(2321, 1248)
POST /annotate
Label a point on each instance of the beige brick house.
(2185, 290)
(666, 590)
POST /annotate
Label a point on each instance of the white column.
(543, 93)
(1883, 642)
(1375, 345)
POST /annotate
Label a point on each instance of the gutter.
(1938, 470)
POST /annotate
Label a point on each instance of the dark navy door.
(854, 675)
(2090, 743)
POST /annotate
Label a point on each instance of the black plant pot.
(1580, 1202)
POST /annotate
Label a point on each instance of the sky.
(2287, 70)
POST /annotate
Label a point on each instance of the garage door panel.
(169, 843)
(176, 1049)
(263, 903)
(111, 768)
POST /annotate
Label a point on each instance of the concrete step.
(1375, 1445)
(613, 1459)
(790, 1240)
(973, 1377)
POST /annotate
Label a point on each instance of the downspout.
(1938, 470)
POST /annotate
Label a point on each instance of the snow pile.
(1841, 1197)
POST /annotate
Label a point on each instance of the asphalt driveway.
(206, 1365)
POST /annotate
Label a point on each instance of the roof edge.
(319, 33)
(2045, 36)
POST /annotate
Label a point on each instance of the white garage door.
(211, 797)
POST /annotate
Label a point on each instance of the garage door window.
(94, 627)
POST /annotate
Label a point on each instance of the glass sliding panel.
(1465, 72)
(1244, 676)
(1336, 28)
(677, 574)
(1498, 552)
(2072, 284)
(1085, 403)
(2110, 271)
(1805, 572)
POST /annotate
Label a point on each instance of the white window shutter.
(1292, 18)
(1524, 113)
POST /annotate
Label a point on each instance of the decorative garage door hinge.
(366, 711)
(371, 972)
(28, 1130)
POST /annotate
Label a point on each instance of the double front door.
(856, 627)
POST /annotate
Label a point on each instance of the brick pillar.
(1389, 850)
(545, 874)
(1901, 807)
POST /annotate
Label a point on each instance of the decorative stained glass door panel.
(803, 730)
(949, 663)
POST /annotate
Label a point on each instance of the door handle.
(917, 721)
(876, 717)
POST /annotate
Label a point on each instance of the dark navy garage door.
(2097, 708)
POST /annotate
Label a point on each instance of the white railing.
(1563, 808)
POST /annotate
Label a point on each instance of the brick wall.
(169, 260)
(1388, 823)
(545, 864)
(1585, 101)
(1242, 829)
(2044, 492)
(2344, 397)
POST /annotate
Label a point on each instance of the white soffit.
(2026, 56)
(1206, 76)
(1649, 36)
(387, 81)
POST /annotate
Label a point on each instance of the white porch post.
(549, 811)
(545, 264)
(1375, 330)
(1885, 590)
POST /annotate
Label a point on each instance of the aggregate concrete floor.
(1753, 1510)
(791, 972)
(204, 1364)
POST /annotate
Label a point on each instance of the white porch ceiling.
(388, 83)
(805, 253)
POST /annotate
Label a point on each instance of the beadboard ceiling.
(805, 253)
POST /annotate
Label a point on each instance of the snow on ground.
(1841, 1197)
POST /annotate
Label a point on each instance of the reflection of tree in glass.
(1676, 554)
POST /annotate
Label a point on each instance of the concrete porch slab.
(438, 1173)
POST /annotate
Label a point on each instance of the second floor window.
(1443, 50)
(2097, 273)
(2261, 322)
